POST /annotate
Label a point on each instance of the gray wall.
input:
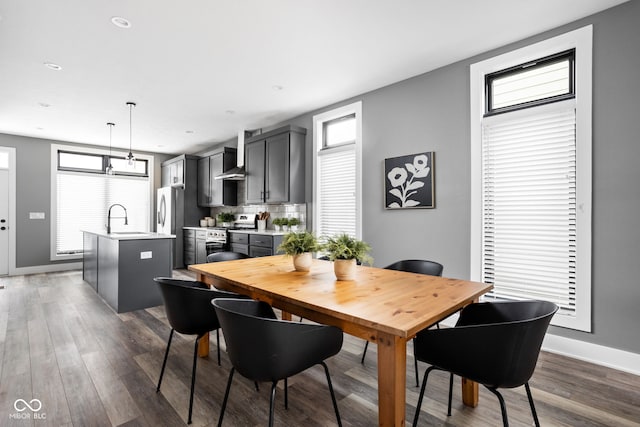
(430, 112)
(33, 194)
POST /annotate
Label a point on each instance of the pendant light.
(130, 158)
(109, 169)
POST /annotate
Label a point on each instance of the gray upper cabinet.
(180, 172)
(173, 171)
(274, 164)
(217, 192)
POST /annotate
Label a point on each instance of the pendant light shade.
(130, 158)
(109, 169)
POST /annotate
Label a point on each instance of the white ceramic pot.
(302, 262)
(345, 269)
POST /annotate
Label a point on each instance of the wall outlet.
(36, 215)
(146, 255)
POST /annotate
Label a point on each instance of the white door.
(4, 222)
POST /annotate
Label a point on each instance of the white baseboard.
(594, 353)
(38, 269)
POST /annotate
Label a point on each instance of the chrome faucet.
(126, 221)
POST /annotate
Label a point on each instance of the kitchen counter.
(131, 235)
(256, 231)
(120, 267)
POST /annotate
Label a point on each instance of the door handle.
(3, 228)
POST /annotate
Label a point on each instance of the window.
(337, 171)
(82, 194)
(533, 83)
(531, 175)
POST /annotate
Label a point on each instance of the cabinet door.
(277, 169)
(204, 185)
(201, 251)
(217, 185)
(178, 178)
(254, 163)
(258, 251)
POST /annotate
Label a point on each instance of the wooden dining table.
(387, 307)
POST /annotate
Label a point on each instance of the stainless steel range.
(217, 239)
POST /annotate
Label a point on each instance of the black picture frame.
(409, 181)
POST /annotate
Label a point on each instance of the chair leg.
(286, 394)
(422, 389)
(226, 397)
(333, 396)
(193, 378)
(503, 407)
(364, 353)
(533, 407)
(218, 341)
(272, 403)
(450, 394)
(415, 363)
(164, 362)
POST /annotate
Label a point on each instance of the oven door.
(212, 247)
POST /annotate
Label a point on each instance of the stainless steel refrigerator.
(175, 210)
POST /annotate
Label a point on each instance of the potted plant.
(278, 223)
(226, 218)
(346, 251)
(299, 246)
(293, 224)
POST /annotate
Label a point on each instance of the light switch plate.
(36, 215)
(146, 255)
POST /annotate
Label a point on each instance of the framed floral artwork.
(409, 181)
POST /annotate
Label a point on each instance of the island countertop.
(131, 235)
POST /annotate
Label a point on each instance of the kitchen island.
(120, 267)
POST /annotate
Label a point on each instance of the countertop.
(244, 231)
(131, 235)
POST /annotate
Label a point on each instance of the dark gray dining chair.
(495, 344)
(187, 304)
(419, 266)
(265, 349)
(225, 256)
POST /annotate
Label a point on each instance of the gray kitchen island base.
(121, 268)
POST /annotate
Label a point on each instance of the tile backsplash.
(276, 211)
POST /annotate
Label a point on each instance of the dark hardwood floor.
(88, 366)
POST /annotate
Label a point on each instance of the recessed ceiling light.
(188, 131)
(277, 87)
(40, 128)
(44, 104)
(120, 22)
(230, 111)
(52, 66)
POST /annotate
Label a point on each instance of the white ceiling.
(201, 70)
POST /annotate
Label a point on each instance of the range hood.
(237, 173)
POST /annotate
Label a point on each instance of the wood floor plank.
(90, 366)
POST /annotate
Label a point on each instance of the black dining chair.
(494, 344)
(225, 256)
(262, 348)
(419, 266)
(187, 304)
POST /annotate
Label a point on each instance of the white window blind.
(529, 237)
(337, 191)
(83, 200)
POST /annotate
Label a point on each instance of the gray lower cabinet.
(274, 164)
(201, 246)
(239, 242)
(195, 246)
(254, 244)
(121, 271)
